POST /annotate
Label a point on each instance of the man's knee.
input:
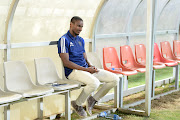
(115, 79)
(94, 84)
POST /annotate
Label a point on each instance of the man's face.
(76, 27)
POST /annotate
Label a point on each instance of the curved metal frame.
(178, 28)
(8, 27)
(96, 24)
(129, 23)
(157, 17)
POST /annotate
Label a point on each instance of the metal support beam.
(125, 82)
(3, 46)
(149, 53)
(135, 34)
(177, 77)
(153, 83)
(40, 108)
(121, 92)
(118, 94)
(67, 106)
(7, 112)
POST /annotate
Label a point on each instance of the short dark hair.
(76, 18)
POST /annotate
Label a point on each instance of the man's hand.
(92, 69)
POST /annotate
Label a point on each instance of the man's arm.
(71, 65)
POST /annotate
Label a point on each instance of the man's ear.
(71, 24)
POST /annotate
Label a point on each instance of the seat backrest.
(93, 58)
(126, 55)
(46, 71)
(157, 54)
(16, 76)
(140, 53)
(166, 50)
(110, 58)
(176, 48)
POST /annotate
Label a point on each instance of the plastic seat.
(127, 59)
(94, 59)
(6, 97)
(176, 48)
(17, 79)
(167, 51)
(159, 58)
(140, 53)
(110, 57)
(46, 73)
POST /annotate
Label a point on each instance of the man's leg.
(110, 80)
(91, 82)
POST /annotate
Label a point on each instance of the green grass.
(155, 115)
(139, 79)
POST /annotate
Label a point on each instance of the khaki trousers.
(92, 82)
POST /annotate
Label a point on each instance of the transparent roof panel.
(114, 16)
(47, 20)
(169, 19)
(4, 7)
(101, 43)
(160, 4)
(139, 18)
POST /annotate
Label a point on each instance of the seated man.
(72, 52)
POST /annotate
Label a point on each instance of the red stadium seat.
(167, 51)
(176, 48)
(127, 59)
(159, 58)
(110, 57)
(140, 53)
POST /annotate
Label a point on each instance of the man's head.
(76, 25)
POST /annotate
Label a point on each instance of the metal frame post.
(8, 28)
(118, 94)
(121, 92)
(125, 82)
(149, 53)
(7, 112)
(40, 108)
(153, 83)
(177, 77)
(67, 106)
